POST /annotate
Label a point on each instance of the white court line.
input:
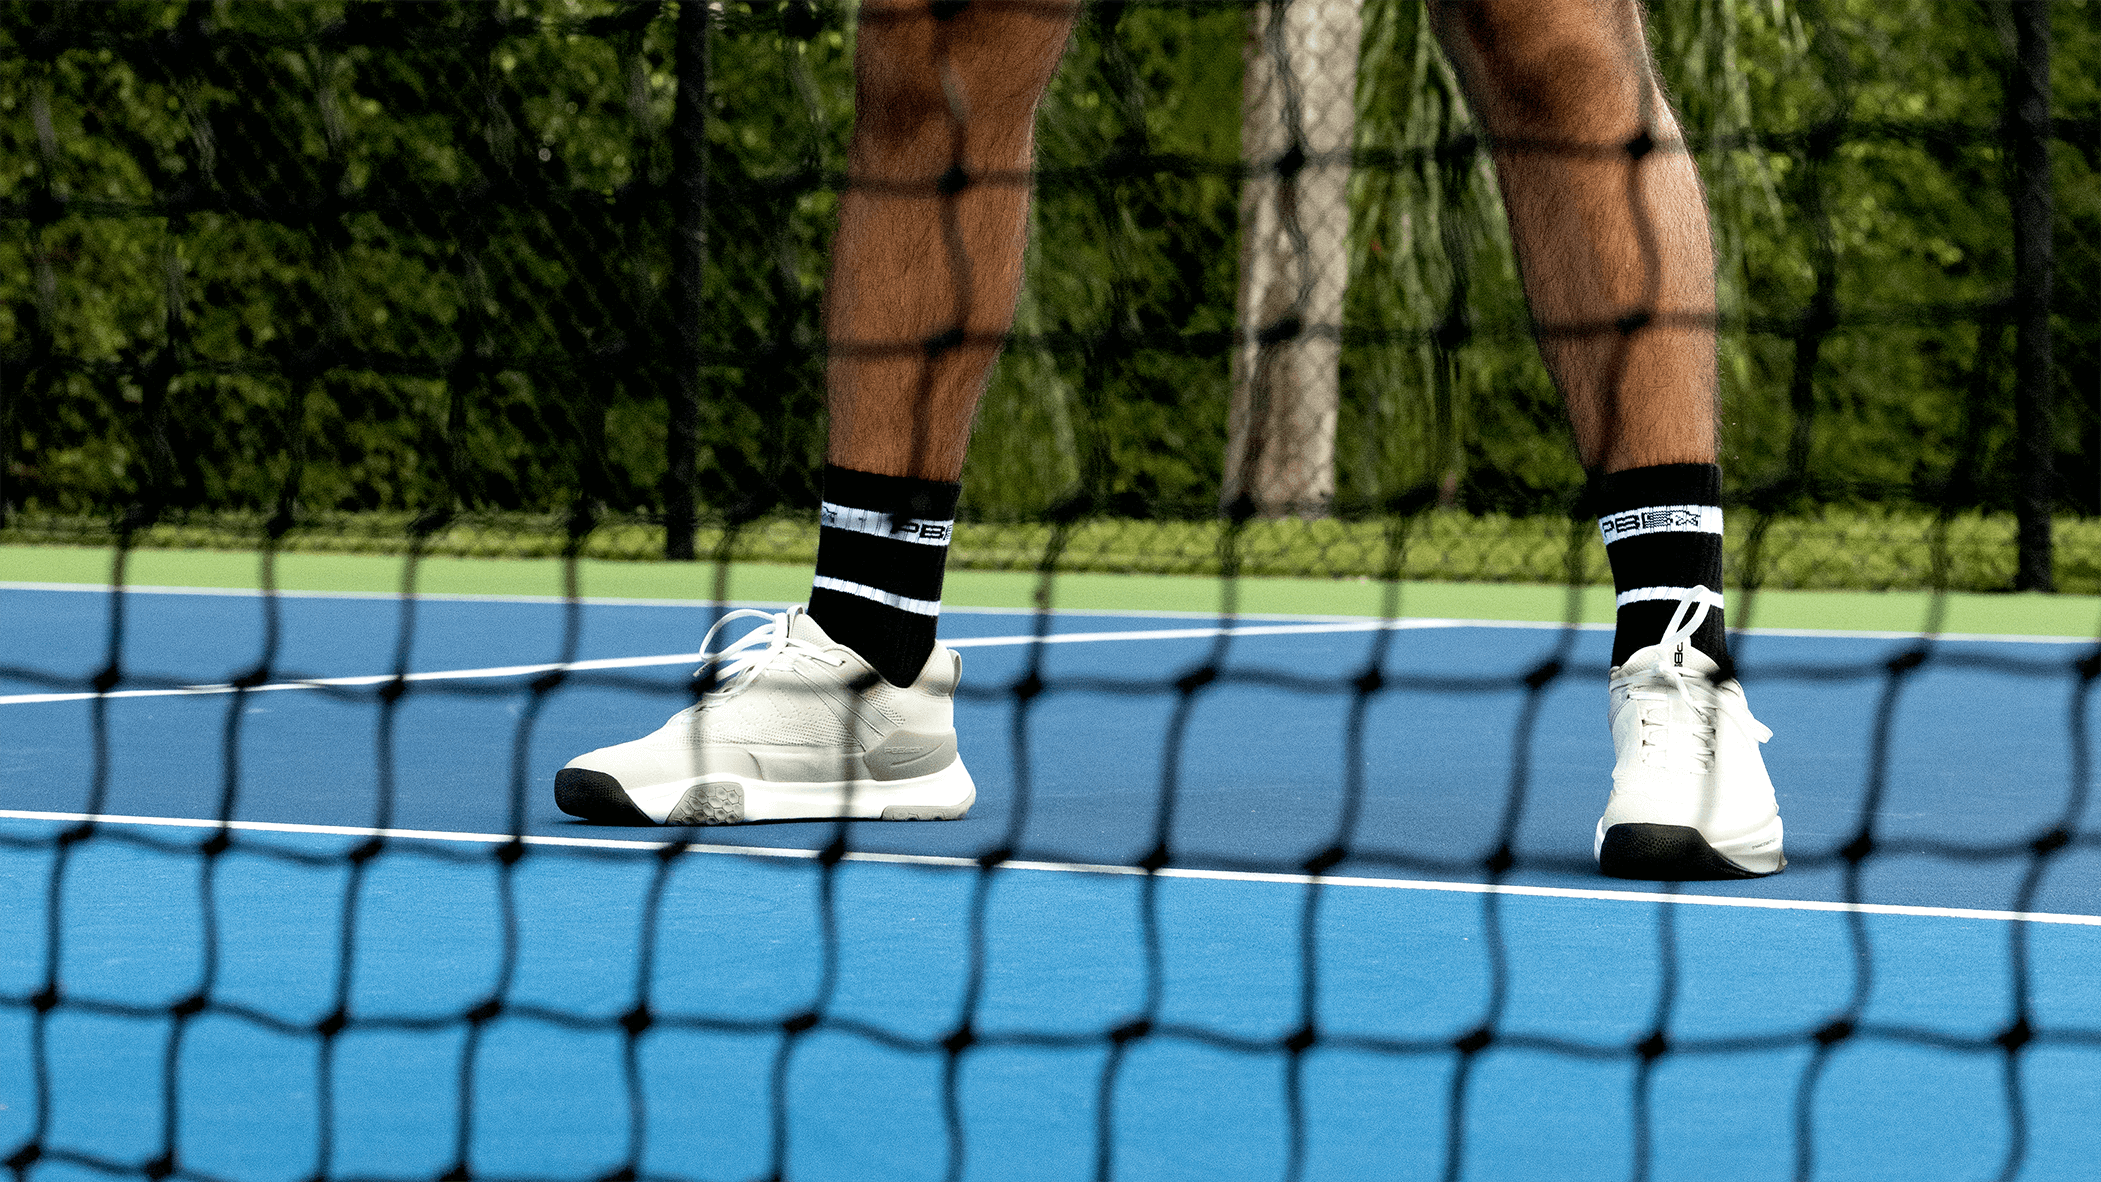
(1391, 884)
(704, 605)
(421, 596)
(498, 671)
(1123, 613)
(947, 609)
(1207, 633)
(1324, 627)
(502, 671)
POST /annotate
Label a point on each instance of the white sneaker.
(1690, 796)
(787, 735)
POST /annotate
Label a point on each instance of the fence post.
(2028, 127)
(1298, 120)
(689, 266)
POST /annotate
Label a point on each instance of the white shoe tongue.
(802, 627)
(1658, 655)
(1643, 660)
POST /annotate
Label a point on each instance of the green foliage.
(310, 259)
(1116, 388)
(1448, 387)
(363, 256)
(1901, 213)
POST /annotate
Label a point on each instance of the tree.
(1298, 125)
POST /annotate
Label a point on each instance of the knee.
(897, 79)
(1545, 63)
(896, 70)
(916, 68)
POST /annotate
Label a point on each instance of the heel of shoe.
(1677, 853)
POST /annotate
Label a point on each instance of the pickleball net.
(317, 330)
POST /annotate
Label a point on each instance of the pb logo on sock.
(1660, 519)
(897, 528)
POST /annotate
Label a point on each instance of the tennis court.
(1291, 395)
(297, 1000)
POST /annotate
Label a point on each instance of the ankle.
(1662, 528)
(882, 549)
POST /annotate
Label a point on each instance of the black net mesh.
(547, 280)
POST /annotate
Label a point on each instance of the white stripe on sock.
(924, 607)
(1660, 519)
(1706, 595)
(882, 525)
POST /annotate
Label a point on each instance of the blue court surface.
(1948, 933)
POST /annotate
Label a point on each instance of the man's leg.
(1611, 232)
(1603, 234)
(924, 276)
(848, 709)
(1615, 253)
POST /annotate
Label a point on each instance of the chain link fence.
(520, 278)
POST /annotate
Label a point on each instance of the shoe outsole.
(916, 812)
(596, 796)
(709, 803)
(1668, 853)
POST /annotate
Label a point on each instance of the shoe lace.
(1702, 698)
(738, 663)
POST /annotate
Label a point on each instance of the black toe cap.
(1665, 853)
(595, 796)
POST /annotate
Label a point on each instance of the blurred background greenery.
(347, 273)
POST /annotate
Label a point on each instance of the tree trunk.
(1298, 114)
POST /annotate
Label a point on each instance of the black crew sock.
(882, 545)
(1663, 536)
